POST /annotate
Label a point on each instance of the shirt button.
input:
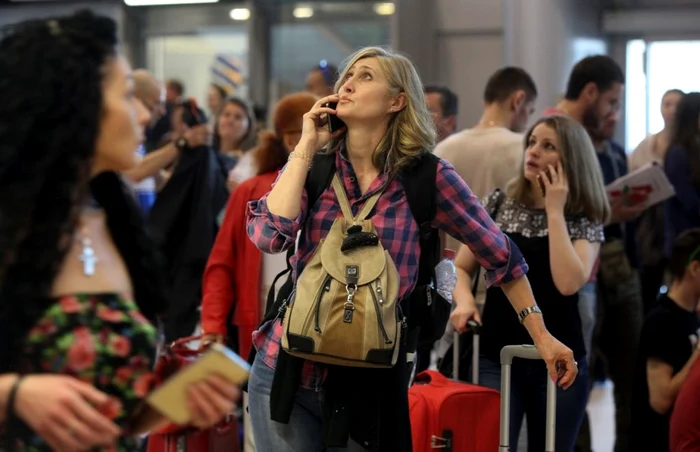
(352, 179)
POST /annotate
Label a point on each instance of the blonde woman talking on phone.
(301, 405)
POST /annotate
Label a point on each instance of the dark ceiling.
(604, 4)
(625, 4)
(265, 2)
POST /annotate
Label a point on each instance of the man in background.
(490, 154)
(320, 80)
(144, 176)
(159, 134)
(593, 98)
(443, 105)
(668, 348)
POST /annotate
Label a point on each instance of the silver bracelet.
(302, 156)
(527, 311)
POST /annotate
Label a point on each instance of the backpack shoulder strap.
(421, 194)
(317, 181)
(320, 176)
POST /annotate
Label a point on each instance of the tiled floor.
(601, 411)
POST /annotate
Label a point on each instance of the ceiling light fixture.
(384, 9)
(166, 2)
(303, 12)
(240, 14)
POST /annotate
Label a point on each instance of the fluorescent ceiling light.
(303, 12)
(240, 14)
(166, 2)
(384, 9)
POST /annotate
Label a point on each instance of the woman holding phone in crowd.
(388, 127)
(554, 211)
(79, 278)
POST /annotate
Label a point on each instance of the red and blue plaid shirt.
(459, 214)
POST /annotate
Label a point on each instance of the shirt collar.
(349, 179)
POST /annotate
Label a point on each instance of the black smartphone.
(334, 122)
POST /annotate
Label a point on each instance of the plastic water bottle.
(446, 275)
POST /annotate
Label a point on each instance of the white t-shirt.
(244, 169)
(644, 153)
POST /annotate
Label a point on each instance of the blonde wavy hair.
(411, 131)
(578, 159)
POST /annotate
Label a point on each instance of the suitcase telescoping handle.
(475, 328)
(526, 352)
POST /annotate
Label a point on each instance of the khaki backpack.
(344, 309)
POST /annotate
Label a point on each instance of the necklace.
(87, 256)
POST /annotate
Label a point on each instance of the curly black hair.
(51, 82)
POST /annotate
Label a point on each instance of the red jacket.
(232, 275)
(685, 425)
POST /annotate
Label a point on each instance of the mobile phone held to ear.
(334, 122)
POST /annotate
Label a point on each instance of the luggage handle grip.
(525, 351)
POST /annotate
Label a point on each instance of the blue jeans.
(303, 433)
(528, 397)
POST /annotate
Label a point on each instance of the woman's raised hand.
(315, 134)
(556, 188)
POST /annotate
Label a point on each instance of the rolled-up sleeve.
(269, 232)
(460, 214)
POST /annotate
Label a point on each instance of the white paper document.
(649, 181)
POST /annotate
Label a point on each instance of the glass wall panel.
(198, 60)
(331, 33)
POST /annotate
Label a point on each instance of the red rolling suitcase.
(452, 416)
(225, 437)
(222, 438)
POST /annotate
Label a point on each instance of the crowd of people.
(130, 217)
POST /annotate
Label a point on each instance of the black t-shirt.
(669, 334)
(528, 230)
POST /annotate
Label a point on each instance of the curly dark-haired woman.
(76, 355)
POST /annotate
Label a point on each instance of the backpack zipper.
(379, 292)
(317, 308)
(379, 316)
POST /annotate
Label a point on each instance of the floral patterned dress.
(101, 339)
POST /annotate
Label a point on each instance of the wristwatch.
(527, 311)
(181, 144)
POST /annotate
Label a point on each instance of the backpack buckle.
(349, 309)
(349, 306)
